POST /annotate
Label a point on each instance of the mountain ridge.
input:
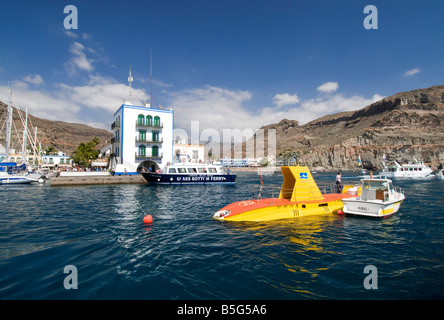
(405, 125)
(64, 136)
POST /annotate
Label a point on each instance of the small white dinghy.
(440, 174)
(378, 199)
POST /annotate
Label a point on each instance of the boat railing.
(265, 192)
(398, 190)
(330, 188)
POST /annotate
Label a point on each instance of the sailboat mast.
(25, 139)
(8, 126)
(35, 149)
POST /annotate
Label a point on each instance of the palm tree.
(50, 149)
(86, 152)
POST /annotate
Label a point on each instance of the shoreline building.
(183, 152)
(143, 138)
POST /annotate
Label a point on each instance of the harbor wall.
(96, 180)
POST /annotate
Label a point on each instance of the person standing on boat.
(338, 183)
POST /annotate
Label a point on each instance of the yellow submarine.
(299, 196)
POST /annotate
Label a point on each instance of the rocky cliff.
(403, 126)
(63, 136)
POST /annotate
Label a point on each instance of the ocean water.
(185, 254)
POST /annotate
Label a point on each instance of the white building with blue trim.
(143, 137)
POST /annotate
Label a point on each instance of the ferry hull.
(413, 174)
(160, 178)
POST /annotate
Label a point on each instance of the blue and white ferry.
(190, 173)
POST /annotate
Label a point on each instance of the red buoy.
(340, 212)
(148, 219)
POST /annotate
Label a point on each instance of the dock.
(96, 180)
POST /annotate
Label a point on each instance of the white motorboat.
(378, 199)
(415, 169)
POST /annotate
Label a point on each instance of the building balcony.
(148, 140)
(114, 140)
(148, 156)
(145, 125)
(115, 125)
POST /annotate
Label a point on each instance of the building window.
(140, 120)
(156, 121)
(62, 161)
(51, 161)
(149, 120)
(142, 135)
(118, 121)
(142, 151)
(155, 151)
(155, 136)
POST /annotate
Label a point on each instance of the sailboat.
(11, 172)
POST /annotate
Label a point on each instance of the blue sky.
(227, 64)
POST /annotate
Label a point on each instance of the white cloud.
(78, 61)
(411, 72)
(71, 34)
(42, 104)
(74, 103)
(34, 79)
(86, 36)
(217, 108)
(283, 99)
(214, 108)
(333, 104)
(328, 87)
(314, 108)
(101, 93)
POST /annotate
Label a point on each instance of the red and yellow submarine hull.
(299, 197)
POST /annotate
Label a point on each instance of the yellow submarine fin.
(299, 185)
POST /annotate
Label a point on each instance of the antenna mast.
(151, 78)
(130, 80)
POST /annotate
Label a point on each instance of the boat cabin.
(193, 169)
(376, 189)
